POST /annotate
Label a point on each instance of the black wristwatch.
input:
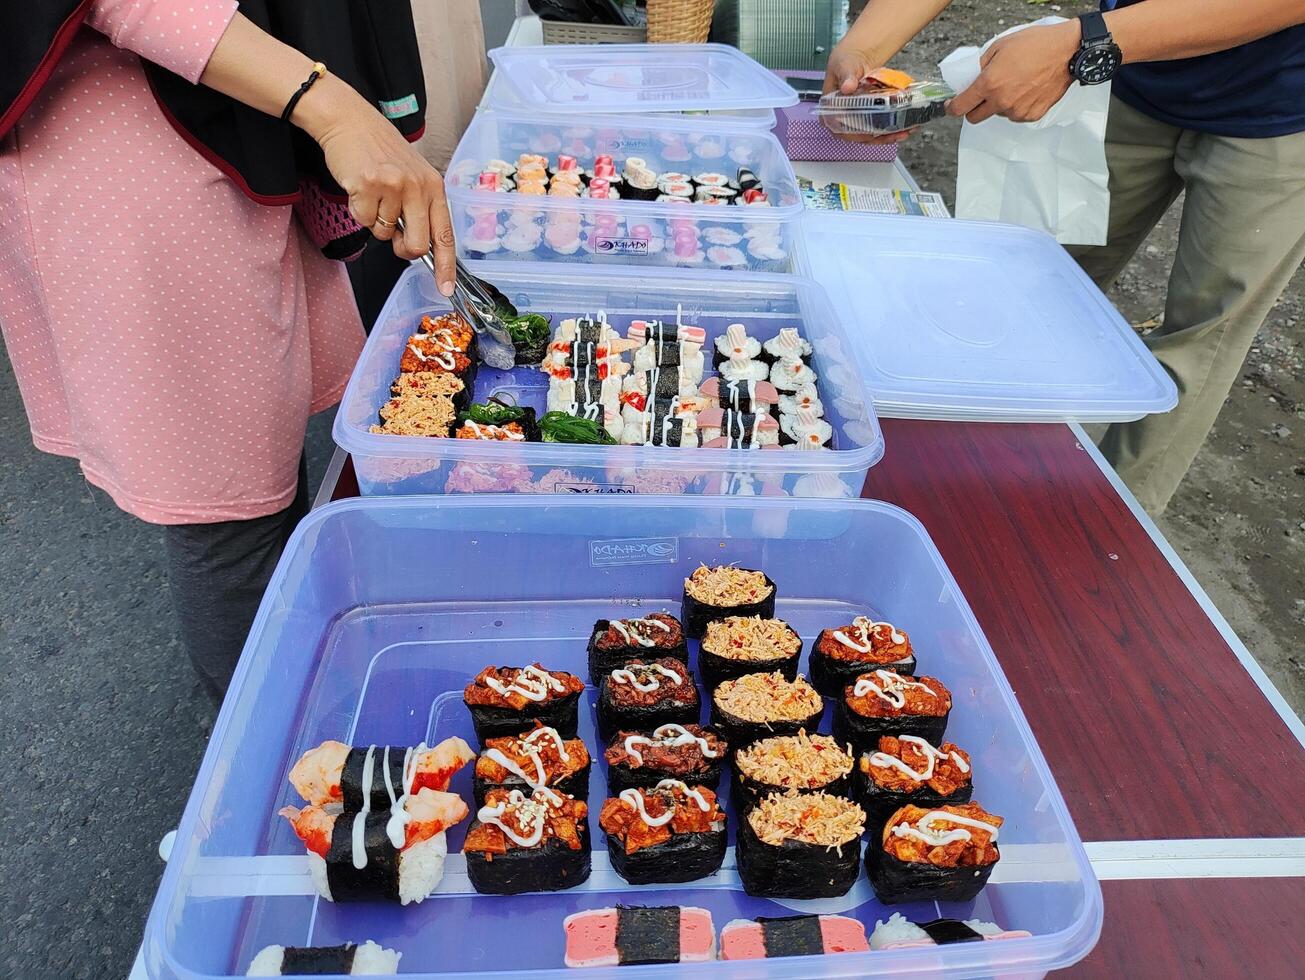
(1098, 56)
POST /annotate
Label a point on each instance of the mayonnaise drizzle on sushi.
(494, 431)
(882, 760)
(925, 831)
(624, 627)
(893, 690)
(547, 732)
(532, 752)
(529, 812)
(864, 628)
(395, 826)
(359, 829)
(532, 683)
(670, 735)
(444, 360)
(634, 799)
(624, 675)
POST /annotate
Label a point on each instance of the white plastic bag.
(1050, 174)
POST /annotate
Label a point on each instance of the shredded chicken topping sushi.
(427, 384)
(725, 585)
(412, 416)
(751, 638)
(768, 697)
(794, 762)
(812, 818)
(945, 837)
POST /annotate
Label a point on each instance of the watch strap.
(1094, 28)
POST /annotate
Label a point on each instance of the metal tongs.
(483, 306)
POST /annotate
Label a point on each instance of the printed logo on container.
(618, 144)
(563, 487)
(634, 551)
(621, 246)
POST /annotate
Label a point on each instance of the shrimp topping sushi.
(843, 653)
(672, 832)
(336, 773)
(944, 854)
(883, 702)
(534, 759)
(525, 843)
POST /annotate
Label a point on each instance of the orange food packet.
(890, 78)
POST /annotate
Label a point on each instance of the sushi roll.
(738, 645)
(909, 770)
(788, 343)
(756, 706)
(747, 180)
(806, 398)
(726, 257)
(723, 590)
(672, 832)
(792, 935)
(681, 189)
(715, 195)
(418, 416)
(653, 428)
(735, 344)
(900, 932)
(629, 935)
(790, 373)
(530, 761)
(508, 432)
(660, 332)
(366, 960)
(644, 694)
(805, 430)
(510, 700)
(689, 753)
(640, 180)
(798, 763)
(844, 653)
(685, 359)
(334, 772)
(800, 846)
(944, 854)
(616, 642)
(742, 370)
(535, 843)
(882, 702)
(738, 430)
(431, 384)
(368, 855)
(741, 396)
(711, 180)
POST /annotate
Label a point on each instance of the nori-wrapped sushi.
(616, 642)
(368, 959)
(723, 590)
(757, 706)
(791, 935)
(536, 843)
(510, 700)
(909, 770)
(689, 753)
(672, 832)
(630, 935)
(798, 763)
(644, 694)
(800, 846)
(490, 420)
(884, 703)
(528, 761)
(841, 655)
(738, 645)
(334, 772)
(915, 857)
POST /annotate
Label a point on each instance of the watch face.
(1097, 64)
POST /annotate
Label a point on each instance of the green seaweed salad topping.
(494, 413)
(527, 330)
(561, 427)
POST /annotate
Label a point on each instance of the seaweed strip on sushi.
(530, 761)
(881, 702)
(369, 855)
(368, 959)
(944, 854)
(616, 642)
(741, 396)
(510, 700)
(756, 706)
(644, 694)
(798, 763)
(842, 654)
(791, 935)
(910, 771)
(690, 753)
(738, 645)
(629, 935)
(334, 772)
(535, 843)
(901, 933)
(800, 846)
(670, 833)
(714, 592)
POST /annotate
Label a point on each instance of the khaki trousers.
(1241, 239)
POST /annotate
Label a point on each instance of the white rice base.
(421, 867)
(267, 963)
(317, 871)
(899, 929)
(369, 960)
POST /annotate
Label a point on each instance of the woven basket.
(563, 32)
(679, 21)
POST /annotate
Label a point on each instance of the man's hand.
(846, 69)
(1023, 75)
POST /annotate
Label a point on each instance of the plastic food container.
(388, 464)
(501, 224)
(381, 611)
(884, 110)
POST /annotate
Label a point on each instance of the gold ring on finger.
(384, 222)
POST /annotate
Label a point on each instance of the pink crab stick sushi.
(796, 935)
(741, 396)
(626, 936)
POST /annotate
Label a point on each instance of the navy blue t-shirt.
(1255, 89)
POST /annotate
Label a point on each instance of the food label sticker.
(621, 246)
(398, 108)
(622, 144)
(633, 551)
(564, 487)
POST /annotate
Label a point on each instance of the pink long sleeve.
(179, 35)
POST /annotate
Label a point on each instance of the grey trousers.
(216, 577)
(1242, 237)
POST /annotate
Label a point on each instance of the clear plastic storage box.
(389, 464)
(584, 230)
(885, 110)
(382, 610)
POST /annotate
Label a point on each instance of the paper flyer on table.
(1050, 174)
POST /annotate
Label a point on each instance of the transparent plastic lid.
(638, 78)
(1003, 326)
(884, 110)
